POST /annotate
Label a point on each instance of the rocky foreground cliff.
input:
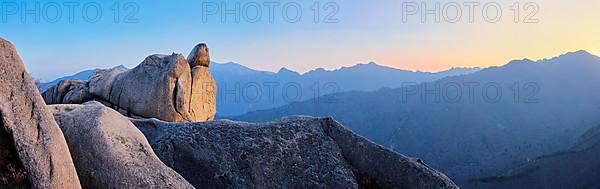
(294, 152)
(121, 142)
(34, 151)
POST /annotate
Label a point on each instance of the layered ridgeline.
(543, 107)
(99, 144)
(574, 168)
(244, 89)
(83, 75)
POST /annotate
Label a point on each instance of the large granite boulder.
(33, 151)
(204, 87)
(199, 56)
(296, 152)
(167, 87)
(101, 82)
(203, 102)
(159, 87)
(110, 152)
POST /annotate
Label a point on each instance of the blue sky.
(365, 31)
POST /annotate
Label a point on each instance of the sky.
(343, 33)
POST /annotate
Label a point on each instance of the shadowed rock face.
(296, 152)
(28, 125)
(110, 152)
(12, 172)
(167, 87)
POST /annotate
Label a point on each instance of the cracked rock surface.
(109, 151)
(33, 145)
(295, 152)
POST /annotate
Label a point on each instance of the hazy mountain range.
(242, 89)
(83, 75)
(556, 101)
(479, 126)
(575, 168)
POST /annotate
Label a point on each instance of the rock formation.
(71, 91)
(110, 152)
(167, 87)
(199, 56)
(296, 152)
(32, 145)
(204, 87)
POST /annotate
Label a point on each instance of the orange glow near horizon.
(564, 26)
(367, 31)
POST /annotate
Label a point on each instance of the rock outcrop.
(110, 152)
(204, 87)
(72, 91)
(166, 87)
(296, 152)
(32, 145)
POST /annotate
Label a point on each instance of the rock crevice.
(109, 152)
(294, 152)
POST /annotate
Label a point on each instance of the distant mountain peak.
(575, 56)
(230, 62)
(368, 64)
(122, 67)
(520, 62)
(320, 70)
(286, 71)
(581, 52)
(464, 68)
(373, 65)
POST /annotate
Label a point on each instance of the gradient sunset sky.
(366, 31)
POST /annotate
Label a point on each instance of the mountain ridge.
(241, 83)
(574, 168)
(482, 137)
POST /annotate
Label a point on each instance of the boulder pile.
(166, 87)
